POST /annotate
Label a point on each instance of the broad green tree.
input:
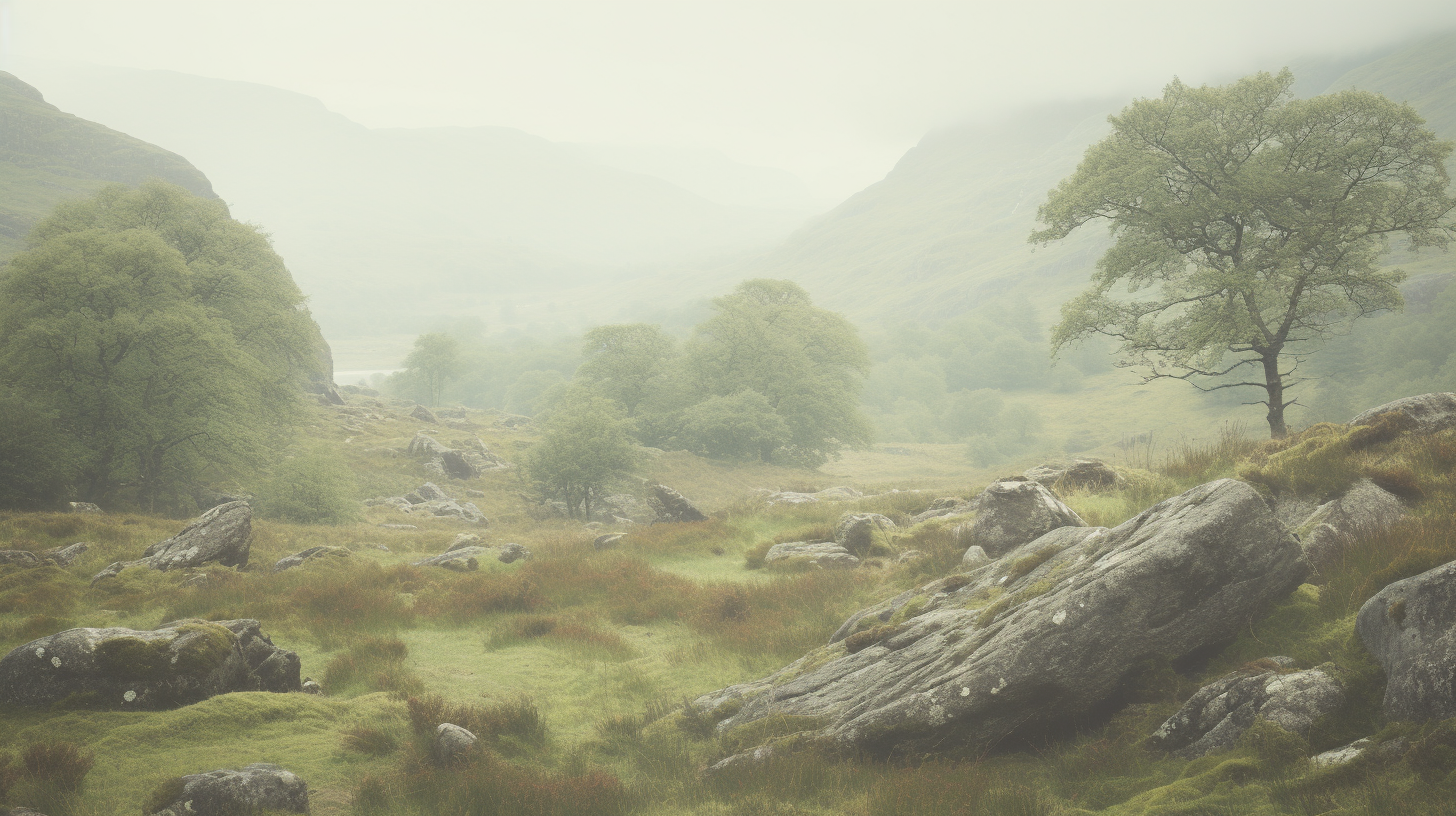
(1248, 227)
(585, 448)
(433, 363)
(743, 427)
(807, 363)
(626, 363)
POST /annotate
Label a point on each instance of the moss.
(859, 641)
(134, 658)
(815, 659)
(766, 729)
(164, 794)
(910, 609)
(1396, 611)
(200, 647)
(1022, 567)
(197, 648)
(1036, 590)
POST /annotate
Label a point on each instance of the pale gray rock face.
(452, 743)
(859, 532)
(1044, 635)
(24, 558)
(1216, 716)
(943, 507)
(608, 541)
(626, 506)
(1364, 510)
(1011, 513)
(975, 558)
(63, 556)
(464, 559)
(221, 535)
(424, 414)
(513, 552)
(820, 554)
(425, 445)
(673, 506)
(1427, 413)
(1078, 474)
(298, 559)
(83, 507)
(1343, 755)
(173, 665)
(1410, 629)
(465, 540)
(257, 788)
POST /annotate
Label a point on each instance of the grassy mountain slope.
(384, 226)
(48, 156)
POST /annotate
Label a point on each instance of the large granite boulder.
(1042, 637)
(257, 788)
(1216, 716)
(860, 532)
(1363, 510)
(673, 506)
(222, 535)
(1410, 629)
(1012, 512)
(1427, 413)
(173, 665)
(1078, 474)
(946, 507)
(817, 554)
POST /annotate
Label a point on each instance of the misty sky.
(833, 91)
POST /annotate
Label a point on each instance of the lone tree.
(586, 447)
(433, 363)
(1248, 226)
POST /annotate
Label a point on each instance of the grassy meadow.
(573, 667)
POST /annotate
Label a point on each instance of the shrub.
(516, 718)
(479, 594)
(61, 764)
(371, 741)
(375, 663)
(310, 488)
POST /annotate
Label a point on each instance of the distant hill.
(388, 228)
(48, 156)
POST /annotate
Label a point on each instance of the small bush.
(311, 488)
(478, 594)
(568, 630)
(371, 741)
(516, 718)
(61, 764)
(377, 664)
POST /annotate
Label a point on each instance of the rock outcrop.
(1364, 510)
(1042, 637)
(299, 558)
(945, 507)
(1410, 629)
(424, 414)
(462, 559)
(257, 788)
(1427, 413)
(430, 500)
(1010, 513)
(673, 506)
(820, 554)
(84, 507)
(1078, 474)
(221, 535)
(828, 494)
(1216, 716)
(173, 665)
(462, 463)
(860, 532)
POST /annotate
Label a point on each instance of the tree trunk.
(1274, 385)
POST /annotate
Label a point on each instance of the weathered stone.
(1046, 635)
(1078, 474)
(465, 559)
(64, 556)
(452, 743)
(311, 686)
(947, 506)
(974, 558)
(746, 760)
(1010, 513)
(1364, 510)
(1216, 716)
(173, 665)
(465, 540)
(221, 535)
(83, 507)
(1410, 629)
(608, 541)
(1343, 755)
(425, 445)
(456, 466)
(1427, 413)
(424, 414)
(860, 532)
(23, 558)
(396, 527)
(790, 498)
(513, 552)
(821, 554)
(626, 506)
(427, 492)
(672, 506)
(464, 511)
(838, 494)
(257, 788)
(297, 559)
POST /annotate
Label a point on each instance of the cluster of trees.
(148, 342)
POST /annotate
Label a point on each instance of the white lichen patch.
(40, 652)
(1059, 617)
(999, 686)
(129, 696)
(56, 661)
(966, 691)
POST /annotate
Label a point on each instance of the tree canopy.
(167, 340)
(432, 364)
(585, 448)
(1248, 227)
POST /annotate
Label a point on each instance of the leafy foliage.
(585, 448)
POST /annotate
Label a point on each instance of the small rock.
(1079, 474)
(425, 445)
(513, 552)
(465, 559)
(254, 789)
(821, 554)
(1014, 512)
(84, 507)
(860, 532)
(397, 527)
(297, 559)
(452, 743)
(673, 506)
(464, 540)
(975, 558)
(1342, 756)
(424, 414)
(63, 556)
(608, 541)
(311, 686)
(1425, 414)
(220, 535)
(1364, 510)
(1219, 713)
(1410, 629)
(23, 558)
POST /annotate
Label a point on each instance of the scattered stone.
(909, 556)
(196, 579)
(1043, 637)
(256, 788)
(860, 532)
(297, 559)
(465, 559)
(828, 494)
(1364, 510)
(513, 552)
(84, 507)
(22, 558)
(220, 535)
(838, 494)
(464, 540)
(427, 492)
(1216, 716)
(424, 414)
(311, 686)
(1343, 755)
(1425, 414)
(821, 554)
(513, 421)
(608, 541)
(755, 758)
(63, 556)
(1013, 512)
(425, 445)
(452, 743)
(944, 507)
(173, 665)
(975, 558)
(625, 506)
(1079, 474)
(1410, 629)
(672, 506)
